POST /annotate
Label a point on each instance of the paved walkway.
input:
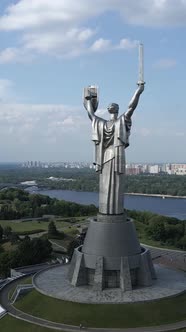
(63, 327)
(169, 257)
(54, 282)
(56, 246)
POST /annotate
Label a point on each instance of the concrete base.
(111, 256)
(54, 282)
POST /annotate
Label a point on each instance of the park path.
(172, 258)
(11, 310)
(54, 244)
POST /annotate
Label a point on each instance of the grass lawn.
(11, 324)
(70, 227)
(105, 315)
(24, 226)
(35, 224)
(72, 231)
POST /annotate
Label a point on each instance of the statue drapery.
(110, 138)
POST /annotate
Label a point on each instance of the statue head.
(113, 108)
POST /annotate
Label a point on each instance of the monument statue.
(111, 255)
(111, 138)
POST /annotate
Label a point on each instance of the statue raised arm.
(90, 101)
(134, 101)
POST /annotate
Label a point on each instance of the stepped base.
(111, 257)
(127, 277)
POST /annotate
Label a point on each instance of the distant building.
(178, 169)
(154, 169)
(168, 169)
(132, 171)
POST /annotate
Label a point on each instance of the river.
(172, 207)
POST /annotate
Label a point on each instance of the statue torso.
(108, 140)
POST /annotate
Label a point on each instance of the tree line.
(27, 252)
(173, 185)
(87, 180)
(168, 231)
(16, 203)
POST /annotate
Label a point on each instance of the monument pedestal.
(111, 256)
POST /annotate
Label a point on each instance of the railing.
(3, 311)
(20, 289)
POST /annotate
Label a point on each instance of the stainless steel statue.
(111, 138)
(111, 255)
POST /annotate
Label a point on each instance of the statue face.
(113, 109)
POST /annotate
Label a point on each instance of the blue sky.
(50, 50)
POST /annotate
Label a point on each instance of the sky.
(51, 50)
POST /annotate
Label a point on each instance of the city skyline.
(129, 162)
(50, 50)
(130, 168)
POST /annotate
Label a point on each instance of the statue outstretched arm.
(134, 101)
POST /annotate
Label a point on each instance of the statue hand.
(141, 86)
(91, 96)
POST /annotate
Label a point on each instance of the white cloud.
(72, 45)
(165, 63)
(42, 131)
(8, 55)
(37, 119)
(54, 41)
(34, 14)
(101, 45)
(16, 55)
(128, 44)
(154, 13)
(61, 27)
(62, 132)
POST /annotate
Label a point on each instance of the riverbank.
(171, 207)
(36, 188)
(155, 195)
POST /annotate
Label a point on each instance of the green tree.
(41, 249)
(5, 264)
(182, 243)
(52, 230)
(1, 249)
(1, 232)
(14, 238)
(7, 232)
(156, 229)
